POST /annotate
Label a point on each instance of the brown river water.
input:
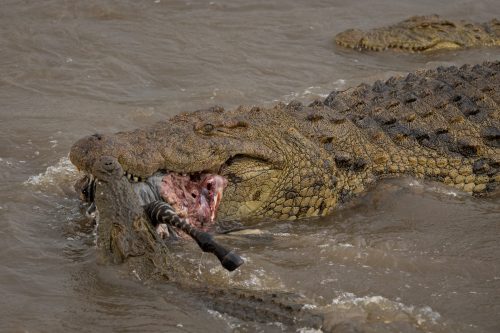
(406, 257)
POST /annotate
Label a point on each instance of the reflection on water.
(407, 256)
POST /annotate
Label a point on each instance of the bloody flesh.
(194, 198)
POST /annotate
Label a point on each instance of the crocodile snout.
(107, 168)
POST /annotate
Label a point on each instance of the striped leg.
(161, 212)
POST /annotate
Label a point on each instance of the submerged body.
(423, 33)
(125, 235)
(293, 161)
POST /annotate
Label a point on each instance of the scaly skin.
(423, 33)
(124, 235)
(293, 161)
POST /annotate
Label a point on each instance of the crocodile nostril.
(108, 163)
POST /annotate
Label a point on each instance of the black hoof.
(231, 261)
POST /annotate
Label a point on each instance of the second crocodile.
(125, 235)
(423, 33)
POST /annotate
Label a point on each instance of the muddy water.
(408, 256)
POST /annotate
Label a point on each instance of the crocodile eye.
(208, 128)
(204, 128)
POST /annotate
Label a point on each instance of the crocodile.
(286, 162)
(294, 161)
(125, 236)
(423, 33)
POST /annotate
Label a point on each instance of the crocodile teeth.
(131, 177)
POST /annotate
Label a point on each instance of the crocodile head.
(271, 169)
(421, 34)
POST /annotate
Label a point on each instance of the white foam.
(62, 171)
(230, 321)
(312, 92)
(339, 84)
(429, 187)
(309, 306)
(391, 308)
(309, 330)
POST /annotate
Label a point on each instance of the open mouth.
(194, 197)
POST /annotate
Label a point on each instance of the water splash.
(62, 172)
(369, 308)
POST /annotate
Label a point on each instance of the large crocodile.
(423, 33)
(288, 162)
(294, 161)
